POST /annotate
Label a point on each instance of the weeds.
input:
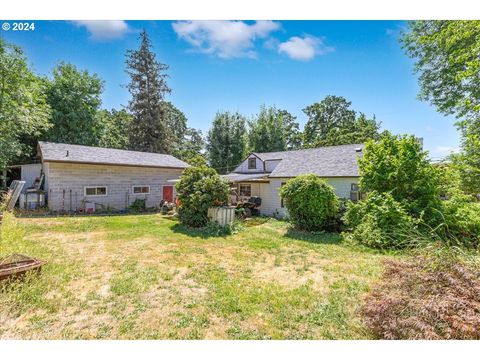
(415, 302)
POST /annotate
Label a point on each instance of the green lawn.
(145, 276)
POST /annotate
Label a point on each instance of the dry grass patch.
(142, 277)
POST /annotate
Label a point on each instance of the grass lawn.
(147, 277)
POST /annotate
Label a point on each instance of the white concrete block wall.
(118, 179)
(270, 193)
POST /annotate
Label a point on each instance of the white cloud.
(304, 49)
(225, 39)
(104, 29)
(442, 151)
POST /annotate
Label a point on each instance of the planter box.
(223, 215)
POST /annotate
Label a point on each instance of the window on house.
(95, 191)
(245, 190)
(141, 189)
(281, 199)
(354, 187)
(252, 163)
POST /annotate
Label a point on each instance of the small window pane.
(141, 189)
(101, 191)
(245, 190)
(252, 163)
(90, 191)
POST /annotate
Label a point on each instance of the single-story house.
(262, 174)
(75, 175)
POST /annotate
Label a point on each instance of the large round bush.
(198, 189)
(310, 201)
(379, 221)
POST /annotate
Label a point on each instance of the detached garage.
(78, 175)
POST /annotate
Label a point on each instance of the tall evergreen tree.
(149, 130)
(227, 141)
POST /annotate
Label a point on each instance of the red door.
(168, 193)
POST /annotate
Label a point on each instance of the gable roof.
(57, 152)
(328, 161)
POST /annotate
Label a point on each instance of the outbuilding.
(76, 175)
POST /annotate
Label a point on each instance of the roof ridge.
(101, 147)
(307, 149)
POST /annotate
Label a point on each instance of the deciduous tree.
(227, 141)
(267, 131)
(74, 97)
(114, 128)
(23, 107)
(332, 122)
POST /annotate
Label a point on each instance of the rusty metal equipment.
(17, 265)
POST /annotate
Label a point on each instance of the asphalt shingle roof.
(328, 161)
(96, 155)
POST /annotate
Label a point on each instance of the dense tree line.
(66, 107)
(330, 122)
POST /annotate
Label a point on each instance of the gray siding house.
(76, 175)
(262, 174)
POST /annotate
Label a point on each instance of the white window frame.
(95, 187)
(140, 193)
(240, 190)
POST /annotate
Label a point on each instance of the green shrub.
(311, 203)
(199, 188)
(139, 205)
(398, 165)
(462, 220)
(379, 221)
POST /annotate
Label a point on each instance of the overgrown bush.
(398, 165)
(412, 301)
(199, 188)
(379, 221)
(311, 203)
(462, 220)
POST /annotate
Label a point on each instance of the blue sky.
(238, 66)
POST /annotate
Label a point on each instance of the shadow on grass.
(33, 215)
(256, 221)
(314, 237)
(203, 233)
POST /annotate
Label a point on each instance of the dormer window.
(252, 163)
